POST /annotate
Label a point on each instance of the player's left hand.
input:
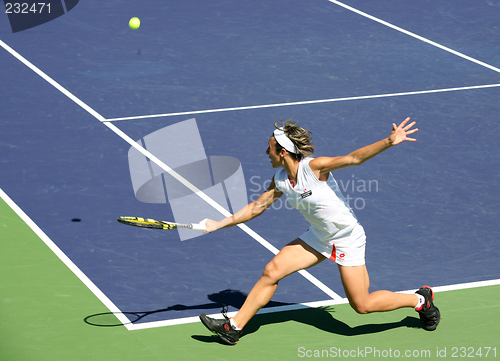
(400, 134)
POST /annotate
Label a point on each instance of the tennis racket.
(153, 223)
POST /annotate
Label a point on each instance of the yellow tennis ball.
(134, 23)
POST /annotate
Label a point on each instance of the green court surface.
(43, 307)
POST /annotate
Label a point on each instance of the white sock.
(233, 325)
(421, 301)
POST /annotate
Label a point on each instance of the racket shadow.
(228, 297)
(110, 319)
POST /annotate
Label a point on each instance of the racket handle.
(200, 226)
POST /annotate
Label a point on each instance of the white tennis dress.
(334, 229)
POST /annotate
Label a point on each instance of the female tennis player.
(334, 231)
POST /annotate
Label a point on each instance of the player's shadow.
(228, 297)
(323, 319)
(320, 318)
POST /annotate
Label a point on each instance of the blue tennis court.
(79, 89)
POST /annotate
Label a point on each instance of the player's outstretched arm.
(248, 212)
(324, 165)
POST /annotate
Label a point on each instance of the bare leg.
(356, 284)
(293, 257)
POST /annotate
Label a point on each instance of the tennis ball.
(134, 23)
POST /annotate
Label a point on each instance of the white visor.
(284, 141)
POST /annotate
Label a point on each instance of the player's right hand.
(211, 226)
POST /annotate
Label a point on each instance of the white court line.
(162, 165)
(306, 102)
(19, 57)
(65, 259)
(300, 306)
(437, 45)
